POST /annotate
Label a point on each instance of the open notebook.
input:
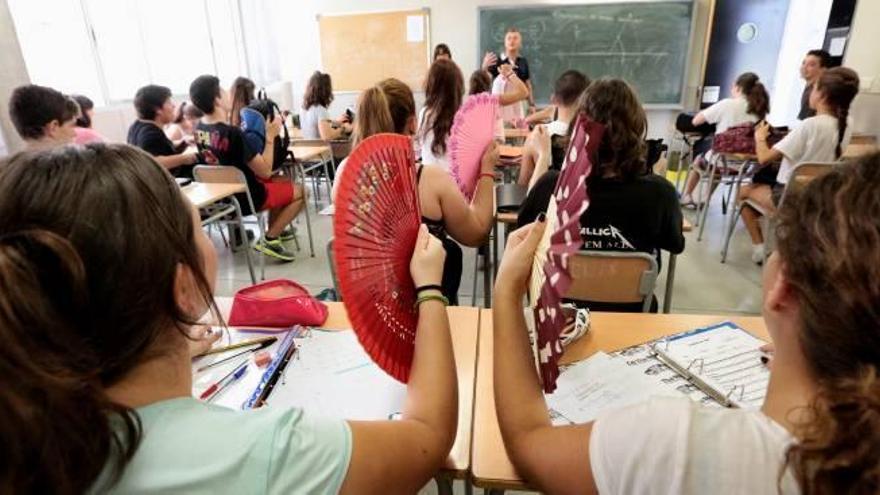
(717, 366)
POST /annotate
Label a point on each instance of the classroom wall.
(13, 73)
(453, 22)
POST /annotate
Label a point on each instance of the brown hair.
(829, 234)
(442, 49)
(386, 107)
(840, 86)
(755, 93)
(319, 91)
(570, 86)
(480, 82)
(242, 95)
(614, 104)
(33, 107)
(444, 90)
(79, 314)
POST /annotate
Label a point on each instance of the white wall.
(863, 57)
(454, 22)
(12, 74)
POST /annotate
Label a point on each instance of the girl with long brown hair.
(390, 107)
(315, 120)
(821, 138)
(104, 272)
(242, 92)
(818, 431)
(444, 90)
(631, 209)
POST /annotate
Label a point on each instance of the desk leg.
(444, 485)
(243, 232)
(292, 173)
(491, 271)
(704, 212)
(670, 281)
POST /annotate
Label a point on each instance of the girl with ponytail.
(104, 272)
(390, 107)
(749, 104)
(818, 431)
(821, 138)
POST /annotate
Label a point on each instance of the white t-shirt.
(674, 446)
(426, 138)
(815, 140)
(309, 121)
(508, 112)
(557, 128)
(728, 113)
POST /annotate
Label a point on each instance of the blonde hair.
(385, 107)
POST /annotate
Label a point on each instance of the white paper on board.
(415, 28)
(837, 46)
(711, 94)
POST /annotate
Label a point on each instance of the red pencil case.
(276, 303)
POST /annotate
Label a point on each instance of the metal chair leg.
(729, 234)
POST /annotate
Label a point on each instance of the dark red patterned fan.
(375, 228)
(550, 277)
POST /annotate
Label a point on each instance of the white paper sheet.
(415, 28)
(711, 94)
(598, 384)
(837, 46)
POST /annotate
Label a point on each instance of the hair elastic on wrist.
(423, 288)
(487, 175)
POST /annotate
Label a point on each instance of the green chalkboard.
(645, 43)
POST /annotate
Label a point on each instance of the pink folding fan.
(472, 131)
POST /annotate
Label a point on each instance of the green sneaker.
(274, 248)
(288, 234)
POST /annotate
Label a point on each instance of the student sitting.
(181, 130)
(84, 132)
(315, 120)
(223, 144)
(242, 92)
(155, 110)
(817, 432)
(568, 88)
(444, 90)
(98, 320)
(631, 209)
(818, 139)
(390, 107)
(42, 116)
(749, 103)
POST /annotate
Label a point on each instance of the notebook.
(717, 366)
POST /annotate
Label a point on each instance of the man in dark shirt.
(155, 110)
(512, 47)
(223, 144)
(814, 64)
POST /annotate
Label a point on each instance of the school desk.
(464, 325)
(203, 195)
(857, 150)
(318, 156)
(609, 332)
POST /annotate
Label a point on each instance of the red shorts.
(278, 194)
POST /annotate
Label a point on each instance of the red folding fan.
(550, 277)
(375, 228)
(472, 131)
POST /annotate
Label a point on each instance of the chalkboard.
(646, 43)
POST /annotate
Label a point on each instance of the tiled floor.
(702, 283)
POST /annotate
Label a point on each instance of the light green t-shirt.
(192, 447)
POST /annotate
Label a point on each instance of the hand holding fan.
(472, 131)
(550, 277)
(375, 228)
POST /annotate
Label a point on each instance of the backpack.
(741, 139)
(268, 109)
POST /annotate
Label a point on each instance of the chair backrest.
(803, 173)
(613, 277)
(332, 263)
(223, 174)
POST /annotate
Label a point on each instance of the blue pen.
(233, 376)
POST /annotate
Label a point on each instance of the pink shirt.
(85, 136)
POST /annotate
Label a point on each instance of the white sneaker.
(758, 253)
(687, 201)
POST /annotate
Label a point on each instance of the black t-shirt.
(152, 139)
(223, 144)
(641, 215)
(521, 69)
(806, 112)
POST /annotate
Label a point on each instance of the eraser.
(262, 358)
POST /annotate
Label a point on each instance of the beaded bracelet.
(431, 297)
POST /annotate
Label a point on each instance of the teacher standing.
(511, 56)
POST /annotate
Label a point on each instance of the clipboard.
(273, 372)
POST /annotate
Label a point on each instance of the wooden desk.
(857, 150)
(507, 151)
(608, 332)
(203, 194)
(309, 153)
(464, 324)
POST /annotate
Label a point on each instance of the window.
(109, 49)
